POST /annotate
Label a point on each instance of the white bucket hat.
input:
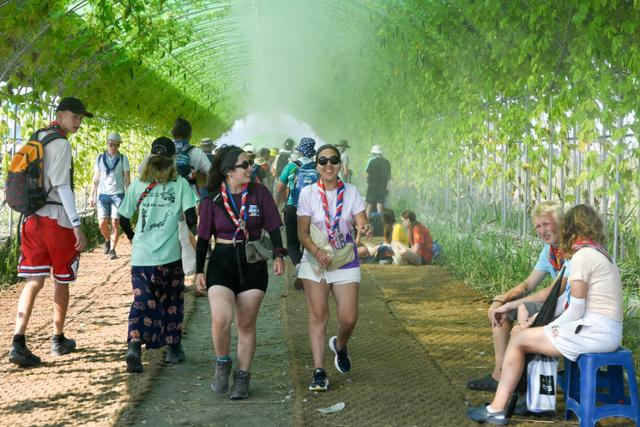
(115, 137)
(376, 149)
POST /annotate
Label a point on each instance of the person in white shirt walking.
(110, 181)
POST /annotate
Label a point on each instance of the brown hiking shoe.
(240, 388)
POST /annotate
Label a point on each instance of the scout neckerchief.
(332, 229)
(555, 258)
(106, 163)
(241, 224)
(588, 243)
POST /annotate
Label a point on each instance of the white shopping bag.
(542, 373)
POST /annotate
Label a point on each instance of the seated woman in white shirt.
(591, 324)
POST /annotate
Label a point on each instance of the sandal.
(486, 383)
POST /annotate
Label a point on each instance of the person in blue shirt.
(547, 217)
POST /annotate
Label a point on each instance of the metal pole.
(13, 150)
(550, 156)
(605, 184)
(458, 178)
(504, 187)
(616, 209)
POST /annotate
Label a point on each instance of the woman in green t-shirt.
(161, 197)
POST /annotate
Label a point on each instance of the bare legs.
(531, 340)
(28, 297)
(247, 304)
(317, 294)
(110, 235)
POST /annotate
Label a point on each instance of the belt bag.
(339, 257)
(258, 250)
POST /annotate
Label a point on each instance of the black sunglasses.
(244, 165)
(324, 160)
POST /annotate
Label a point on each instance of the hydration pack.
(305, 175)
(183, 164)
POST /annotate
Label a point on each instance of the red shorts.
(46, 245)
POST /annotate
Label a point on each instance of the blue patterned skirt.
(157, 311)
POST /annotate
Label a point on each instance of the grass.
(492, 262)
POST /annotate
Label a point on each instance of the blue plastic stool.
(582, 381)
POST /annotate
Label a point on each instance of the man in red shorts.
(51, 238)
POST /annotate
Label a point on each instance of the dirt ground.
(421, 335)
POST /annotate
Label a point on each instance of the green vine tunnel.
(508, 101)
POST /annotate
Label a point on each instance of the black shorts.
(226, 265)
(376, 195)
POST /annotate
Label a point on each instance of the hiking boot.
(220, 383)
(341, 359)
(480, 414)
(63, 345)
(486, 383)
(319, 381)
(20, 355)
(106, 246)
(112, 254)
(175, 354)
(134, 357)
(240, 387)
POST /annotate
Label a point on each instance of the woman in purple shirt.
(235, 212)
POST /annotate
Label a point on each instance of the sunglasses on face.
(334, 160)
(244, 165)
(114, 144)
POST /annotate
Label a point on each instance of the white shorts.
(335, 277)
(596, 333)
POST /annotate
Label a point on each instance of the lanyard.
(332, 228)
(241, 224)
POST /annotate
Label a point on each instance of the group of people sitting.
(408, 242)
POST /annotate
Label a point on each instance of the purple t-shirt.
(262, 212)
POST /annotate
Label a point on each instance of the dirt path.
(87, 387)
(420, 336)
(181, 394)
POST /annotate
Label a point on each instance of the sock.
(226, 358)
(58, 338)
(20, 339)
(493, 411)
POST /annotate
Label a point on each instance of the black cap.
(74, 105)
(288, 144)
(163, 146)
(343, 143)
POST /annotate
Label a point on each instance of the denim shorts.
(108, 205)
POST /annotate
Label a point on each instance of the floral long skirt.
(157, 311)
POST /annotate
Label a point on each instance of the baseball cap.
(115, 137)
(74, 105)
(376, 149)
(163, 146)
(248, 148)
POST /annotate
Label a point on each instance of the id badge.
(340, 241)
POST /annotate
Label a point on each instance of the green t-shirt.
(287, 177)
(156, 241)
